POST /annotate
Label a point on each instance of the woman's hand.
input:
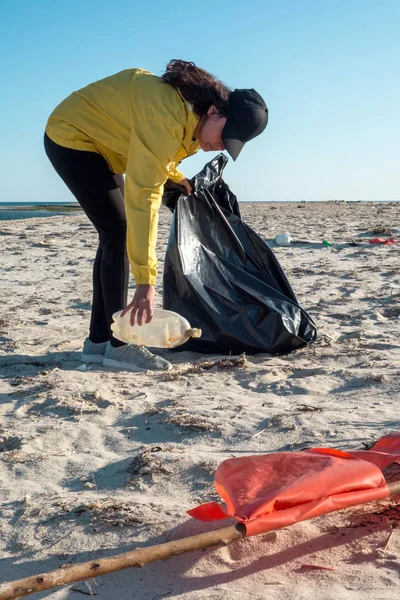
(142, 303)
(186, 184)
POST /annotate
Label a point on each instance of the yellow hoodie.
(142, 127)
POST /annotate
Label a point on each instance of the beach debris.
(147, 462)
(243, 481)
(89, 593)
(385, 549)
(239, 413)
(308, 408)
(182, 418)
(380, 317)
(277, 421)
(186, 420)
(79, 403)
(283, 239)
(391, 312)
(286, 240)
(257, 433)
(10, 443)
(167, 329)
(316, 567)
(205, 365)
(113, 513)
(306, 445)
(383, 241)
(18, 456)
(391, 514)
(110, 512)
(381, 229)
(376, 377)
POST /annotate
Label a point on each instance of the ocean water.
(10, 211)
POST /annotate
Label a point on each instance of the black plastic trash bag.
(224, 278)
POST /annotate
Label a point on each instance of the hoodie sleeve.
(175, 175)
(154, 144)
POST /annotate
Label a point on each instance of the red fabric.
(384, 241)
(275, 490)
(384, 452)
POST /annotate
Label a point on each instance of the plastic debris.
(383, 241)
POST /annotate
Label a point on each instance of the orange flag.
(276, 490)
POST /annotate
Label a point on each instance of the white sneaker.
(134, 358)
(93, 353)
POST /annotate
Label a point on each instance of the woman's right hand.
(141, 304)
(187, 185)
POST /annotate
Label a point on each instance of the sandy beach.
(94, 462)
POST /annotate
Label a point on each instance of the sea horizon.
(74, 203)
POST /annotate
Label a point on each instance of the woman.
(141, 125)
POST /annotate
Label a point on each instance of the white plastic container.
(167, 329)
(283, 239)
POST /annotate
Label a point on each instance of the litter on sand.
(263, 493)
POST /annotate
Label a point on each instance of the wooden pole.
(135, 558)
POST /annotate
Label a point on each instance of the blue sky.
(328, 70)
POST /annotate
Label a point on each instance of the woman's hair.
(198, 87)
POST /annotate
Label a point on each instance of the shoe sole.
(93, 358)
(108, 362)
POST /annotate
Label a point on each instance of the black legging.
(100, 192)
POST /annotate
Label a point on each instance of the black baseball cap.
(247, 118)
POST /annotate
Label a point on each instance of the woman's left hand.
(186, 184)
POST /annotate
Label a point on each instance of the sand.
(95, 462)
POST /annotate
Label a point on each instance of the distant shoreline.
(51, 207)
(16, 211)
(67, 207)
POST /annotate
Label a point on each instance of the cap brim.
(233, 145)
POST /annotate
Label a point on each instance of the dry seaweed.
(113, 513)
(147, 462)
(18, 456)
(186, 420)
(10, 443)
(205, 365)
(381, 230)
